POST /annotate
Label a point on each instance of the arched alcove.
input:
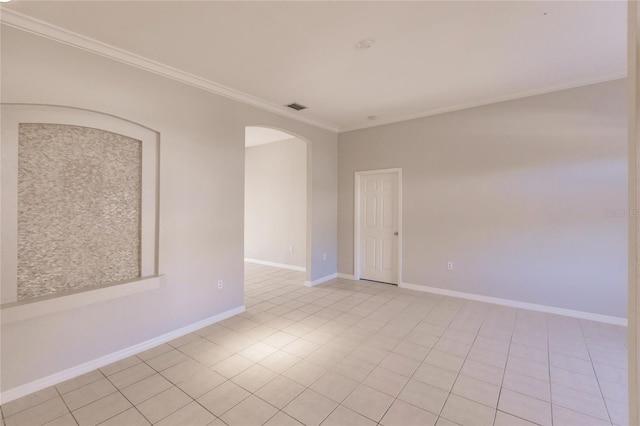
(79, 202)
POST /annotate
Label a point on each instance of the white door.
(378, 254)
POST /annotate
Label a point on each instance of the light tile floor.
(355, 353)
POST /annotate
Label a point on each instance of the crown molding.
(53, 32)
(489, 101)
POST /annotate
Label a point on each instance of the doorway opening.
(276, 212)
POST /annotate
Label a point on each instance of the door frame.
(633, 331)
(356, 222)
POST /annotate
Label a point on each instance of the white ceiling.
(428, 56)
(254, 136)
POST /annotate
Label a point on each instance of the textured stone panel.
(79, 192)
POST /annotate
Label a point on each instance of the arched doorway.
(277, 193)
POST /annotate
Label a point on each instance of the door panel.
(379, 197)
(387, 254)
(370, 253)
(387, 212)
(371, 212)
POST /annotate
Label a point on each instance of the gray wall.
(514, 193)
(275, 215)
(201, 201)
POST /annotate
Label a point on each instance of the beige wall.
(275, 217)
(201, 201)
(514, 193)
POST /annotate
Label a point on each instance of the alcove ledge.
(28, 309)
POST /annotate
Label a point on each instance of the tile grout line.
(438, 415)
(606, 407)
(174, 384)
(361, 382)
(131, 384)
(506, 362)
(65, 404)
(410, 377)
(28, 408)
(460, 374)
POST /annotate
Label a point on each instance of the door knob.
(395, 233)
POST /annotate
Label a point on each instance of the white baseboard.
(517, 304)
(277, 265)
(39, 384)
(320, 280)
(346, 276)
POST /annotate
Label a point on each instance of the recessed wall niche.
(79, 193)
(79, 202)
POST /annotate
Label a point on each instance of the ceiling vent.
(296, 106)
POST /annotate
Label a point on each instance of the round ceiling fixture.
(365, 44)
(5, 1)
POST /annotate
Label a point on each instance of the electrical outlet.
(291, 249)
(324, 256)
(220, 284)
(449, 265)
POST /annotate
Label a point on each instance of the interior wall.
(527, 198)
(275, 220)
(201, 201)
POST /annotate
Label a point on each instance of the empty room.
(319, 213)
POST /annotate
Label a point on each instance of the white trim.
(277, 265)
(518, 304)
(320, 280)
(633, 97)
(21, 311)
(356, 221)
(346, 276)
(70, 373)
(53, 32)
(356, 226)
(488, 101)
